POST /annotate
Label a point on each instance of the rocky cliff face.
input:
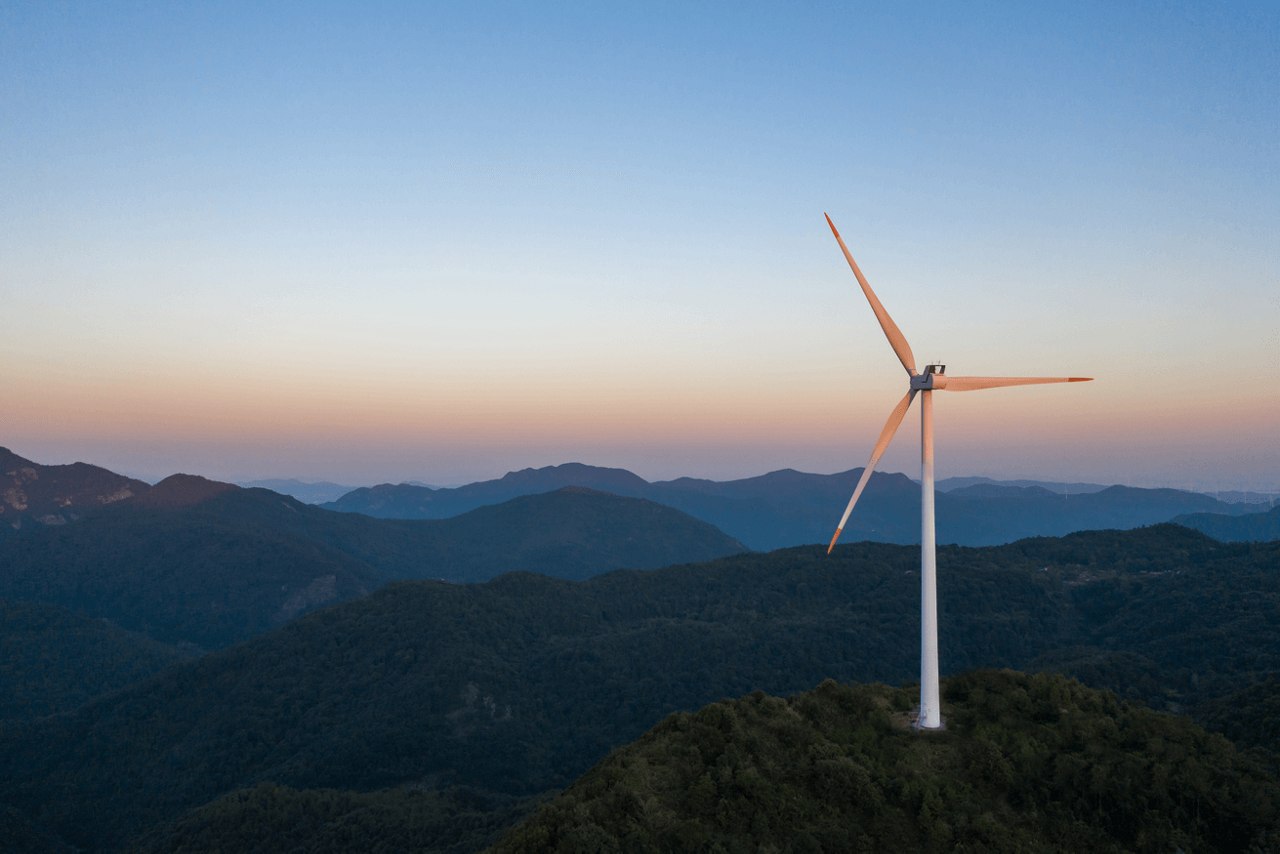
(34, 494)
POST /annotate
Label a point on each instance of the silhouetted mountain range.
(1238, 496)
(520, 684)
(308, 492)
(787, 508)
(207, 563)
(947, 484)
(411, 501)
(32, 494)
(776, 510)
(988, 514)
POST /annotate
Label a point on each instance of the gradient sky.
(369, 242)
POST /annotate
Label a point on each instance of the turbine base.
(919, 727)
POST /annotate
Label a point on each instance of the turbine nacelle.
(931, 378)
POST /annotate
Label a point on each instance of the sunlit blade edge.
(886, 436)
(897, 340)
(949, 383)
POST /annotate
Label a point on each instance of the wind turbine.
(933, 379)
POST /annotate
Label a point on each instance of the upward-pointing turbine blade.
(943, 381)
(886, 436)
(897, 340)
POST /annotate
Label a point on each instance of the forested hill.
(207, 563)
(1026, 763)
(52, 660)
(33, 495)
(519, 685)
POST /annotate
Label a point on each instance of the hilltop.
(1026, 763)
(33, 495)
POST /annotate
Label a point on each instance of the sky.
(369, 242)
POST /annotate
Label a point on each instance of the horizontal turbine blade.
(897, 340)
(886, 436)
(942, 381)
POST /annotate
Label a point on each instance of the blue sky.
(381, 241)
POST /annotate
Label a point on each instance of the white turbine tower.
(933, 379)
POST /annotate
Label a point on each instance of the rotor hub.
(925, 381)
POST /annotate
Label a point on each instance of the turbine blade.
(897, 340)
(886, 436)
(942, 381)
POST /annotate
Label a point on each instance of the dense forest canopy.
(1025, 763)
(517, 686)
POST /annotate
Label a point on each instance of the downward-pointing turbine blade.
(886, 436)
(943, 381)
(897, 340)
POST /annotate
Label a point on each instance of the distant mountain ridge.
(786, 508)
(1238, 496)
(411, 501)
(1251, 527)
(947, 484)
(181, 490)
(198, 561)
(775, 510)
(988, 514)
(32, 494)
(308, 492)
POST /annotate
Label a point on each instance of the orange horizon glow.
(599, 411)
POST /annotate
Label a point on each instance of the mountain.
(1252, 527)
(52, 660)
(989, 513)
(520, 684)
(32, 494)
(778, 509)
(190, 561)
(1027, 763)
(788, 508)
(947, 484)
(308, 492)
(1236, 496)
(571, 533)
(411, 501)
(206, 563)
